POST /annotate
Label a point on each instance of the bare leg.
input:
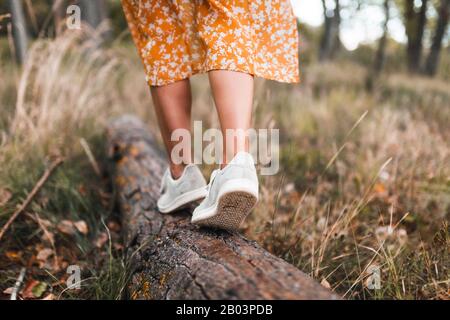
(233, 96)
(173, 110)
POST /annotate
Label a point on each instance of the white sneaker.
(232, 194)
(191, 186)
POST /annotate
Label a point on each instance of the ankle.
(176, 170)
(230, 156)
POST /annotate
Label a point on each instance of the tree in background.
(380, 55)
(59, 13)
(94, 13)
(330, 41)
(432, 61)
(19, 30)
(415, 16)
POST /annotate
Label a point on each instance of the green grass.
(75, 193)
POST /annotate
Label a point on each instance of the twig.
(18, 284)
(90, 156)
(31, 195)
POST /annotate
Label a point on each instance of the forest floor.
(364, 182)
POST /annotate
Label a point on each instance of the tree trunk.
(415, 29)
(325, 42)
(19, 30)
(94, 13)
(59, 13)
(432, 61)
(172, 259)
(91, 13)
(380, 56)
(336, 38)
(330, 41)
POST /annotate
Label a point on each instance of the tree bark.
(19, 30)
(173, 259)
(432, 61)
(330, 41)
(94, 13)
(415, 23)
(91, 13)
(336, 44)
(326, 36)
(59, 13)
(380, 56)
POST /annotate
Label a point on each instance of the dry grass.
(365, 183)
(364, 179)
(57, 106)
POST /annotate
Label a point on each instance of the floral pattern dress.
(179, 38)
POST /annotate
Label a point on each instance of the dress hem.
(288, 80)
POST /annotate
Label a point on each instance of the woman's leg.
(173, 110)
(235, 190)
(233, 96)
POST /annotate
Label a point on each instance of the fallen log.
(170, 258)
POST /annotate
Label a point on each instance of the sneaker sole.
(232, 209)
(184, 200)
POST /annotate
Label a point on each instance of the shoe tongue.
(243, 158)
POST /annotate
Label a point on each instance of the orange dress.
(179, 38)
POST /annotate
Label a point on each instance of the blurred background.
(365, 155)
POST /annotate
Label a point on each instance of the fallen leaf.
(43, 256)
(45, 222)
(104, 195)
(82, 189)
(8, 291)
(81, 226)
(290, 187)
(101, 240)
(50, 296)
(372, 277)
(5, 196)
(43, 201)
(402, 236)
(384, 175)
(325, 283)
(113, 226)
(379, 188)
(66, 227)
(382, 233)
(27, 291)
(118, 246)
(322, 223)
(134, 151)
(48, 237)
(63, 265)
(13, 255)
(39, 289)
